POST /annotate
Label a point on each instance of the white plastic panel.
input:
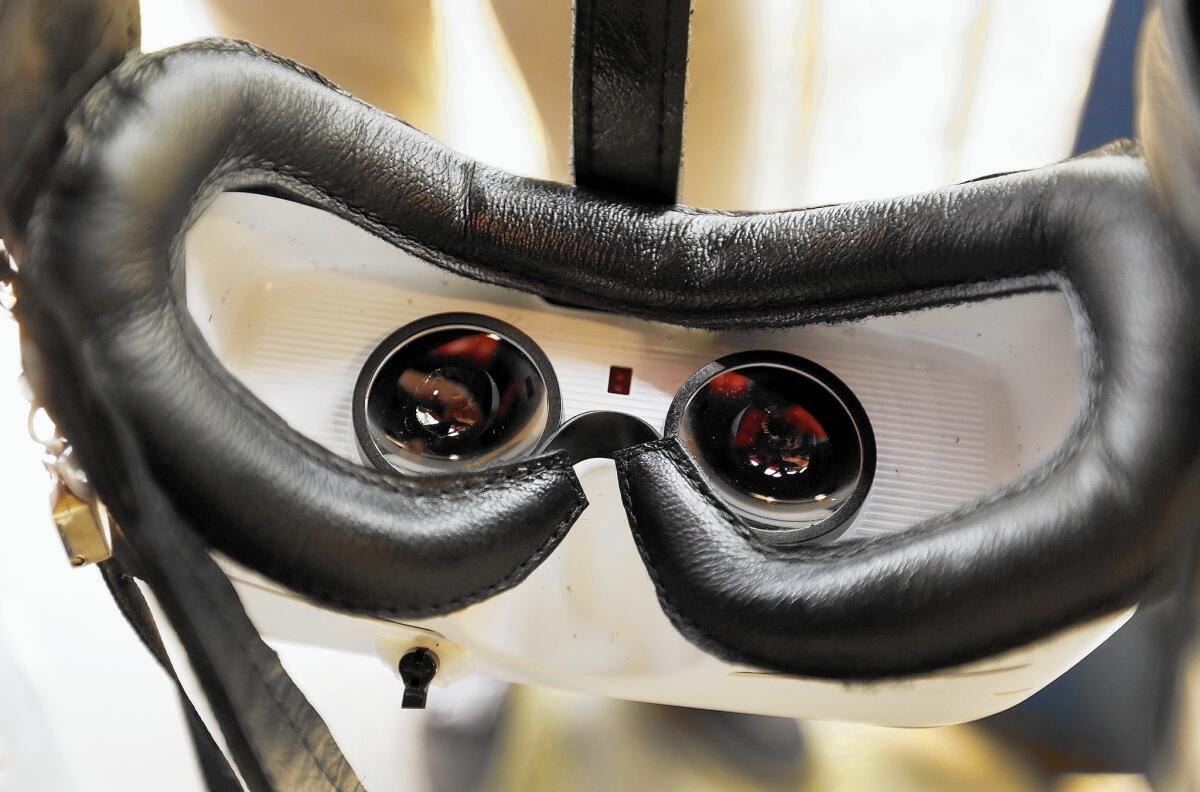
(961, 399)
(294, 316)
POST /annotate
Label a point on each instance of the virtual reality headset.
(785, 422)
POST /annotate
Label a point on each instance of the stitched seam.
(1085, 419)
(683, 623)
(502, 478)
(414, 610)
(679, 457)
(982, 280)
(358, 470)
(904, 300)
(217, 44)
(891, 302)
(672, 450)
(468, 197)
(499, 480)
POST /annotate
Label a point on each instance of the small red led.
(619, 380)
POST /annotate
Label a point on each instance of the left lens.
(783, 442)
(454, 391)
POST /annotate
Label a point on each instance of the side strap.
(630, 66)
(51, 54)
(277, 739)
(219, 776)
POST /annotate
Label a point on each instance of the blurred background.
(789, 103)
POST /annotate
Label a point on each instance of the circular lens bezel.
(776, 533)
(394, 342)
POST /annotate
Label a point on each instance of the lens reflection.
(781, 446)
(457, 396)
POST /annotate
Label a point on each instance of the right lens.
(454, 391)
(783, 441)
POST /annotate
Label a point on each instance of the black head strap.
(630, 64)
(51, 54)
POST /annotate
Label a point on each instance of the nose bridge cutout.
(600, 435)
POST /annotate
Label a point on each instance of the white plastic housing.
(961, 399)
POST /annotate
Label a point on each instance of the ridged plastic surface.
(293, 301)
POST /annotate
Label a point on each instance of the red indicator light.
(619, 380)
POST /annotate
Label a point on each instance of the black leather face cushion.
(146, 152)
(1084, 535)
(1081, 536)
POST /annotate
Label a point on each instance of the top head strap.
(630, 66)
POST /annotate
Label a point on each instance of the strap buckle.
(83, 527)
(81, 519)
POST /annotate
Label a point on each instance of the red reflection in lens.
(730, 385)
(479, 347)
(749, 427)
(804, 421)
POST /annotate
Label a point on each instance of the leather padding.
(1084, 535)
(145, 153)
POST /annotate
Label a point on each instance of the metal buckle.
(82, 521)
(83, 527)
